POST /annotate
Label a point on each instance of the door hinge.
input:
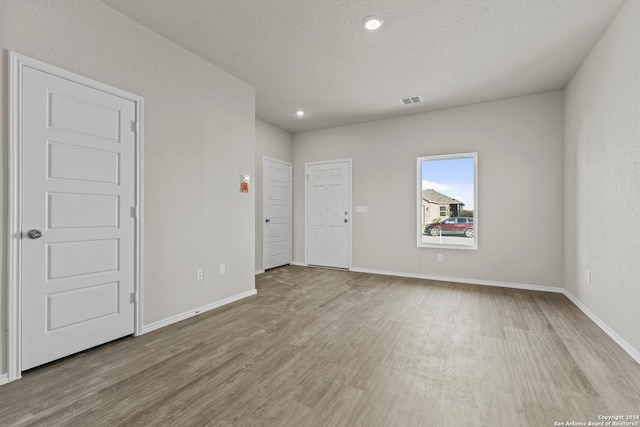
(134, 126)
(307, 178)
(134, 298)
(134, 212)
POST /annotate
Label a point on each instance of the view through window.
(447, 203)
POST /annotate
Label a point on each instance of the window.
(448, 183)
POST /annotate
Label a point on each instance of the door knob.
(267, 220)
(346, 220)
(34, 234)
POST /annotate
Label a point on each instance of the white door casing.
(75, 160)
(277, 219)
(328, 213)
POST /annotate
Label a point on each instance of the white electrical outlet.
(440, 258)
(199, 274)
(223, 269)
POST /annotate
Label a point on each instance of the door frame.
(350, 204)
(264, 208)
(17, 63)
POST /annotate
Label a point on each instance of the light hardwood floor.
(324, 347)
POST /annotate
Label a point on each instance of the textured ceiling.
(315, 55)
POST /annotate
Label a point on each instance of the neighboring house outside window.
(443, 206)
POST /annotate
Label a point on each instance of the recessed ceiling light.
(372, 23)
(300, 113)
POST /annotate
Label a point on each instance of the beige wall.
(271, 141)
(602, 168)
(519, 145)
(198, 139)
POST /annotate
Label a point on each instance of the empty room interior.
(376, 213)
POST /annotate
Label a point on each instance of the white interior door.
(277, 231)
(78, 191)
(329, 213)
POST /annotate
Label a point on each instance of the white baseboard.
(461, 280)
(607, 330)
(259, 272)
(4, 378)
(178, 317)
(300, 264)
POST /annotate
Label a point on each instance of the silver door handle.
(34, 234)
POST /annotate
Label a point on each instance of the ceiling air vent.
(411, 100)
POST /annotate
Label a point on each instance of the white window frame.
(441, 244)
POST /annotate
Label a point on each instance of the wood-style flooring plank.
(319, 347)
